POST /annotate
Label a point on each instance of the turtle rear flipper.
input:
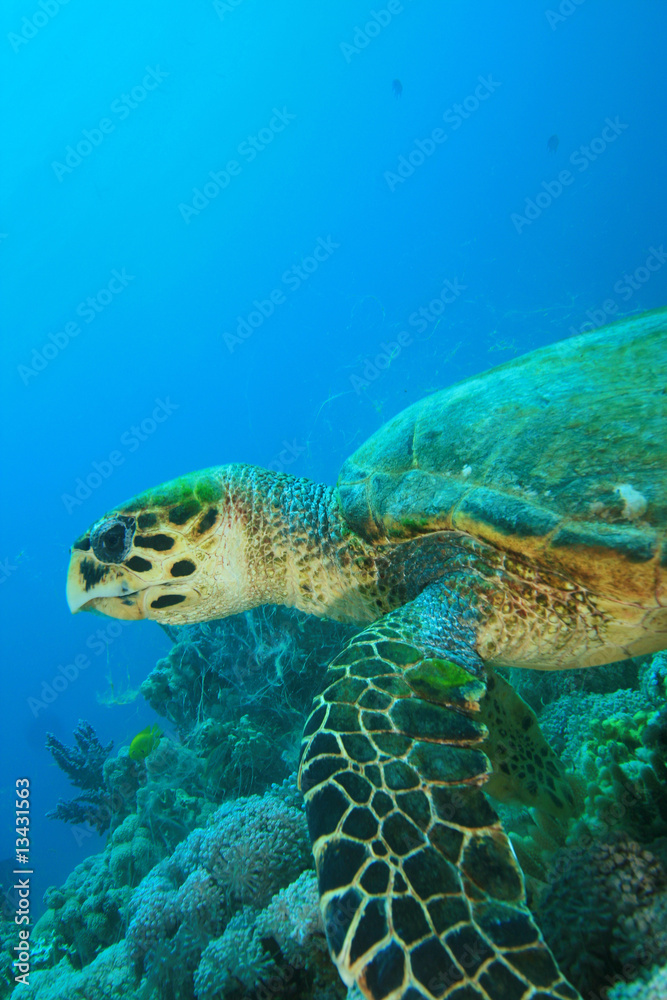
(420, 891)
(525, 768)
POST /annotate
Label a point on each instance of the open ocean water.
(245, 231)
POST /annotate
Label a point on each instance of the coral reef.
(83, 763)
(108, 977)
(652, 987)
(249, 850)
(270, 659)
(89, 908)
(205, 888)
(596, 909)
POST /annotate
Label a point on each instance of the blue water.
(132, 277)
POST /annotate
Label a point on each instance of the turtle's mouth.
(110, 589)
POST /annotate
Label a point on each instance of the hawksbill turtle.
(517, 518)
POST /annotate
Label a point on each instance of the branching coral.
(83, 763)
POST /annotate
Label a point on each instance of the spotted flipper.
(525, 768)
(421, 894)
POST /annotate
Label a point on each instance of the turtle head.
(174, 554)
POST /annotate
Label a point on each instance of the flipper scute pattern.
(421, 894)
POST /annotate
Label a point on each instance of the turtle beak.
(100, 587)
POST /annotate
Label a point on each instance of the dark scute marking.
(92, 572)
(399, 776)
(323, 743)
(392, 744)
(430, 874)
(376, 878)
(375, 722)
(561, 991)
(501, 984)
(320, 770)
(324, 811)
(184, 567)
(356, 787)
(372, 667)
(343, 719)
(398, 652)
(315, 721)
(437, 762)
(466, 807)
(338, 916)
(184, 511)
(416, 806)
(508, 514)
(385, 973)
(447, 840)
(400, 835)
(504, 925)
(409, 921)
(377, 700)
(536, 965)
(82, 544)
(167, 601)
(373, 773)
(359, 748)
(413, 994)
(447, 911)
(207, 521)
(433, 966)
(400, 885)
(379, 848)
(138, 564)
(418, 718)
(346, 690)
(636, 545)
(361, 823)
(340, 862)
(382, 803)
(467, 993)
(145, 521)
(370, 930)
(469, 948)
(159, 543)
(489, 862)
(394, 685)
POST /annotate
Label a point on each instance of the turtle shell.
(559, 456)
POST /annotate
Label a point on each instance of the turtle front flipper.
(421, 894)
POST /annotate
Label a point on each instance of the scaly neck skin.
(297, 549)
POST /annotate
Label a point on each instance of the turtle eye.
(113, 539)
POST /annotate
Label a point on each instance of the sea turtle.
(516, 518)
